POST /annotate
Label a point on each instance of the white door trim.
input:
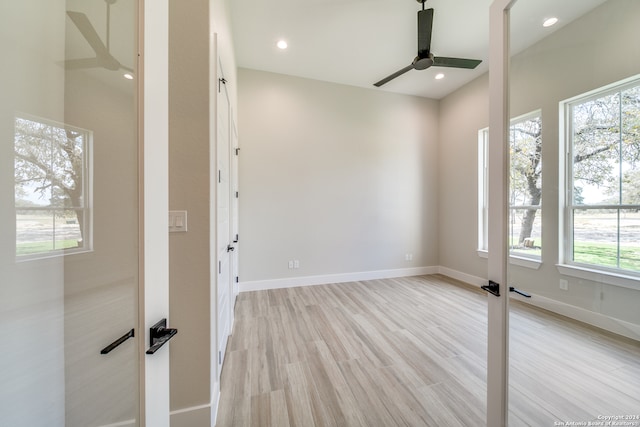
(498, 307)
(154, 262)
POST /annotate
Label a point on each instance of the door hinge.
(237, 194)
(219, 176)
(237, 279)
(219, 357)
(219, 267)
(237, 151)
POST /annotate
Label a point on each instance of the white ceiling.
(359, 42)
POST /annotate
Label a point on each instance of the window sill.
(515, 260)
(58, 254)
(594, 275)
(525, 262)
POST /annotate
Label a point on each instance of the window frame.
(86, 207)
(612, 275)
(516, 258)
(483, 194)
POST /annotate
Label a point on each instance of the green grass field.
(603, 254)
(606, 255)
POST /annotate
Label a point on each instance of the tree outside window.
(604, 179)
(51, 188)
(525, 189)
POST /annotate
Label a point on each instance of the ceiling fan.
(425, 58)
(103, 57)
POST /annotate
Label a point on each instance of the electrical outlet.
(564, 285)
(290, 264)
(296, 263)
(408, 257)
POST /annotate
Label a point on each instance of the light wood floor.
(412, 352)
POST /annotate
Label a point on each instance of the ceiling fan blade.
(441, 61)
(89, 33)
(74, 64)
(425, 25)
(393, 76)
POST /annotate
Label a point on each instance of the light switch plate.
(177, 221)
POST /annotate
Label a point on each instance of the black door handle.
(159, 335)
(518, 291)
(492, 288)
(230, 248)
(117, 342)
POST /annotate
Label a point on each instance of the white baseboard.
(463, 277)
(617, 326)
(292, 282)
(620, 327)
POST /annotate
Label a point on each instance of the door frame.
(223, 179)
(153, 128)
(498, 306)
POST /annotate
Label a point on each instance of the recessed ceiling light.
(550, 21)
(128, 76)
(282, 44)
(439, 76)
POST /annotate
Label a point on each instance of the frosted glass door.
(574, 341)
(68, 213)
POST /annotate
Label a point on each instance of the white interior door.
(224, 241)
(70, 219)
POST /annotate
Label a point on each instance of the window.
(483, 190)
(525, 190)
(51, 188)
(603, 179)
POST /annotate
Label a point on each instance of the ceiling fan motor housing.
(423, 63)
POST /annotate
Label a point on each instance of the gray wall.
(189, 278)
(462, 114)
(340, 178)
(191, 26)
